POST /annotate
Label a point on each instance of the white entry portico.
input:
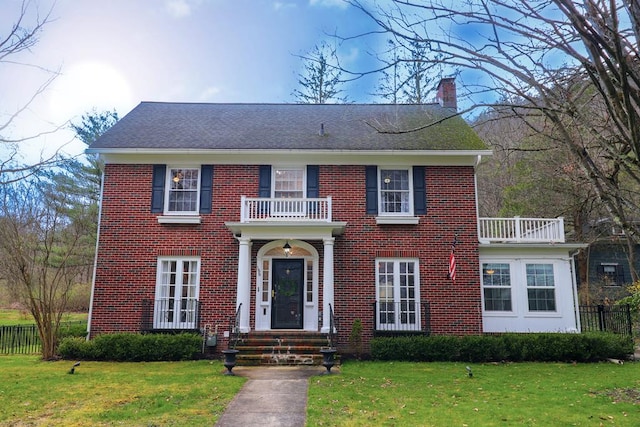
(297, 233)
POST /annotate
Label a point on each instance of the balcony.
(521, 230)
(285, 210)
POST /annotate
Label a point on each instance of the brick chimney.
(446, 96)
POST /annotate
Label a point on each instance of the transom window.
(398, 293)
(395, 191)
(496, 283)
(177, 288)
(183, 190)
(541, 287)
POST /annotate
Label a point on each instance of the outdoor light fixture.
(287, 249)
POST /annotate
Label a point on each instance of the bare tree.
(15, 42)
(408, 76)
(573, 66)
(42, 252)
(320, 82)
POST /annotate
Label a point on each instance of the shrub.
(128, 347)
(543, 347)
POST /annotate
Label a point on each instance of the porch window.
(397, 295)
(395, 192)
(541, 287)
(182, 190)
(309, 282)
(177, 288)
(496, 284)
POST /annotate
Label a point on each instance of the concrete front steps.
(281, 348)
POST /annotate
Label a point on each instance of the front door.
(286, 295)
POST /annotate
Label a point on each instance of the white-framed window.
(397, 295)
(395, 191)
(541, 291)
(288, 191)
(496, 286)
(182, 190)
(177, 289)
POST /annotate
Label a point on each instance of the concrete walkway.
(274, 396)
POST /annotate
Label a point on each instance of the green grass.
(9, 317)
(39, 393)
(442, 394)
(33, 392)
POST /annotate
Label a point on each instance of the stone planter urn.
(327, 358)
(230, 360)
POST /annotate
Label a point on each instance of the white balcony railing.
(301, 210)
(521, 230)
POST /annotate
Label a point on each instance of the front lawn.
(443, 394)
(33, 392)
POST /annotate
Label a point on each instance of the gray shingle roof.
(171, 126)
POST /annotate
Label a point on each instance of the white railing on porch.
(532, 230)
(303, 209)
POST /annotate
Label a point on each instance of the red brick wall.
(131, 239)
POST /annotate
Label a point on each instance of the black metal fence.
(404, 317)
(170, 315)
(604, 318)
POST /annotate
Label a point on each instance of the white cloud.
(329, 3)
(178, 8)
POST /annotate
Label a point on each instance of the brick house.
(286, 217)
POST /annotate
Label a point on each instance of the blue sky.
(114, 54)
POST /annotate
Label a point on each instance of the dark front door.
(286, 301)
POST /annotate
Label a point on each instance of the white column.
(244, 282)
(327, 283)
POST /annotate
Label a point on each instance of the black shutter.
(313, 190)
(371, 175)
(264, 189)
(206, 188)
(157, 188)
(419, 191)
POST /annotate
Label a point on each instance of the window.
(496, 284)
(398, 305)
(395, 192)
(288, 192)
(541, 287)
(177, 288)
(182, 190)
(612, 274)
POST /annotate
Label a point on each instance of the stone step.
(281, 348)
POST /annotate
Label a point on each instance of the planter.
(230, 360)
(327, 358)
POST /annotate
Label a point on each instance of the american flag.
(452, 262)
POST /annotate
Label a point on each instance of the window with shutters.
(395, 192)
(182, 190)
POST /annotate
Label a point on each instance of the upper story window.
(288, 183)
(182, 190)
(395, 192)
(396, 195)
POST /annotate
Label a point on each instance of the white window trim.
(526, 287)
(400, 218)
(159, 284)
(512, 287)
(397, 327)
(276, 168)
(173, 217)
